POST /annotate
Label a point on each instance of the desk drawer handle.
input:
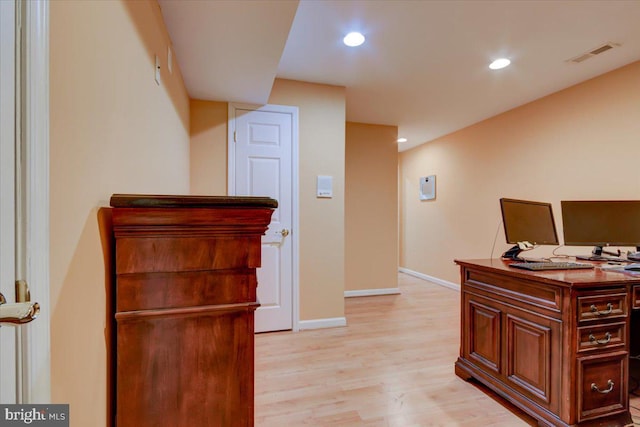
(594, 309)
(594, 387)
(607, 338)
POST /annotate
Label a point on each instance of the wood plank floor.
(391, 366)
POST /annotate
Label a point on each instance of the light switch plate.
(325, 186)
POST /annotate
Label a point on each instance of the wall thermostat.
(427, 187)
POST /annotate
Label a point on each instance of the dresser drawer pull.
(594, 309)
(594, 387)
(607, 338)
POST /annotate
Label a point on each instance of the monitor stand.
(600, 254)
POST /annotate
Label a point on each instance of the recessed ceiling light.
(499, 63)
(353, 39)
(402, 139)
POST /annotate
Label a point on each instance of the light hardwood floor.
(391, 366)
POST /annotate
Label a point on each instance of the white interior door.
(8, 366)
(261, 164)
(24, 194)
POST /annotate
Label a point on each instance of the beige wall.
(580, 143)
(321, 152)
(208, 132)
(371, 207)
(113, 130)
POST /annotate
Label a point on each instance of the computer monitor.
(601, 223)
(527, 223)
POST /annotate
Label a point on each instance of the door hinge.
(234, 137)
(22, 291)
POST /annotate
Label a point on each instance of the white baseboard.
(431, 279)
(371, 292)
(331, 322)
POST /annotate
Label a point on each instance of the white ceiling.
(424, 66)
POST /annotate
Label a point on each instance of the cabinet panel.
(529, 351)
(602, 385)
(534, 357)
(484, 334)
(179, 370)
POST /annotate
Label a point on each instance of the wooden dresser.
(553, 343)
(184, 300)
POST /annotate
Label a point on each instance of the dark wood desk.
(553, 343)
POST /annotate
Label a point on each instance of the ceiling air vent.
(597, 51)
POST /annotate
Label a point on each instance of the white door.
(8, 367)
(261, 164)
(24, 196)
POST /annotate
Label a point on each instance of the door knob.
(284, 232)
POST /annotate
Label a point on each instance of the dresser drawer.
(153, 291)
(606, 305)
(608, 336)
(602, 385)
(155, 254)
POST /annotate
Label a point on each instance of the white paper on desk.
(618, 269)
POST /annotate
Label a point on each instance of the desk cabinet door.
(483, 340)
(518, 347)
(533, 357)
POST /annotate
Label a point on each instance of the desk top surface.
(578, 278)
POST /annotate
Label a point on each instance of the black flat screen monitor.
(527, 221)
(601, 223)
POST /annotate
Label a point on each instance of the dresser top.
(177, 201)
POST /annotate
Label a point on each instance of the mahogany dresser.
(184, 300)
(553, 343)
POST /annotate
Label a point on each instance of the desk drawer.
(599, 306)
(608, 336)
(636, 297)
(602, 385)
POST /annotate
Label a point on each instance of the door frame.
(35, 99)
(9, 340)
(231, 185)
